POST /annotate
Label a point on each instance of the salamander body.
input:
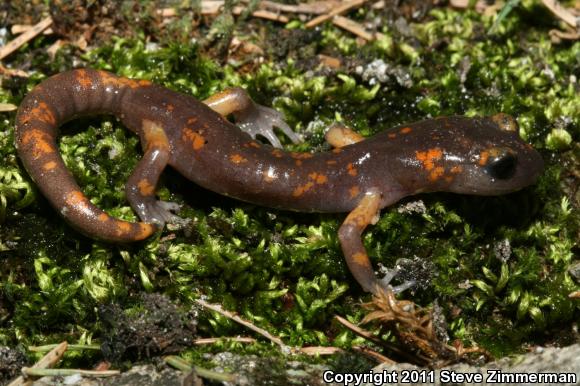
(482, 156)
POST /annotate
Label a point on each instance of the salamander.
(480, 156)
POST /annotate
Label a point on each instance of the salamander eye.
(503, 165)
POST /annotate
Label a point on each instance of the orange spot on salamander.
(331, 162)
(41, 145)
(405, 130)
(392, 135)
(299, 191)
(429, 157)
(123, 227)
(337, 150)
(436, 173)
(296, 155)
(23, 119)
(483, 157)
(237, 159)
(351, 169)
(277, 153)
(456, 169)
(110, 80)
(103, 217)
(253, 144)
(197, 141)
(361, 258)
(77, 200)
(83, 79)
(170, 107)
(145, 187)
(354, 191)
(319, 178)
(43, 113)
(316, 178)
(132, 83)
(145, 230)
(298, 162)
(50, 165)
(505, 122)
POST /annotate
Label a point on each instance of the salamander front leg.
(141, 186)
(354, 251)
(251, 117)
(349, 235)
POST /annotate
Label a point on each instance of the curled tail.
(56, 100)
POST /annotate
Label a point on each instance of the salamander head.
(482, 156)
(499, 161)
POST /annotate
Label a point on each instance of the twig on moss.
(353, 27)
(562, 13)
(314, 8)
(320, 350)
(263, 14)
(49, 360)
(337, 11)
(25, 37)
(481, 6)
(6, 107)
(54, 47)
(463, 351)
(203, 341)
(373, 354)
(70, 347)
(357, 330)
(33, 372)
(17, 29)
(230, 315)
(181, 364)
(556, 35)
(329, 61)
(213, 7)
(13, 72)
(368, 336)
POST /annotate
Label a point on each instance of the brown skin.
(483, 156)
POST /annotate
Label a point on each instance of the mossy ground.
(499, 265)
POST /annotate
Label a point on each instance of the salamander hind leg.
(354, 251)
(141, 186)
(339, 135)
(251, 117)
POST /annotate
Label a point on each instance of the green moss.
(284, 271)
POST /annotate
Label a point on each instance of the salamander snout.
(500, 168)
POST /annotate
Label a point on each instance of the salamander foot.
(251, 117)
(160, 212)
(390, 274)
(261, 120)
